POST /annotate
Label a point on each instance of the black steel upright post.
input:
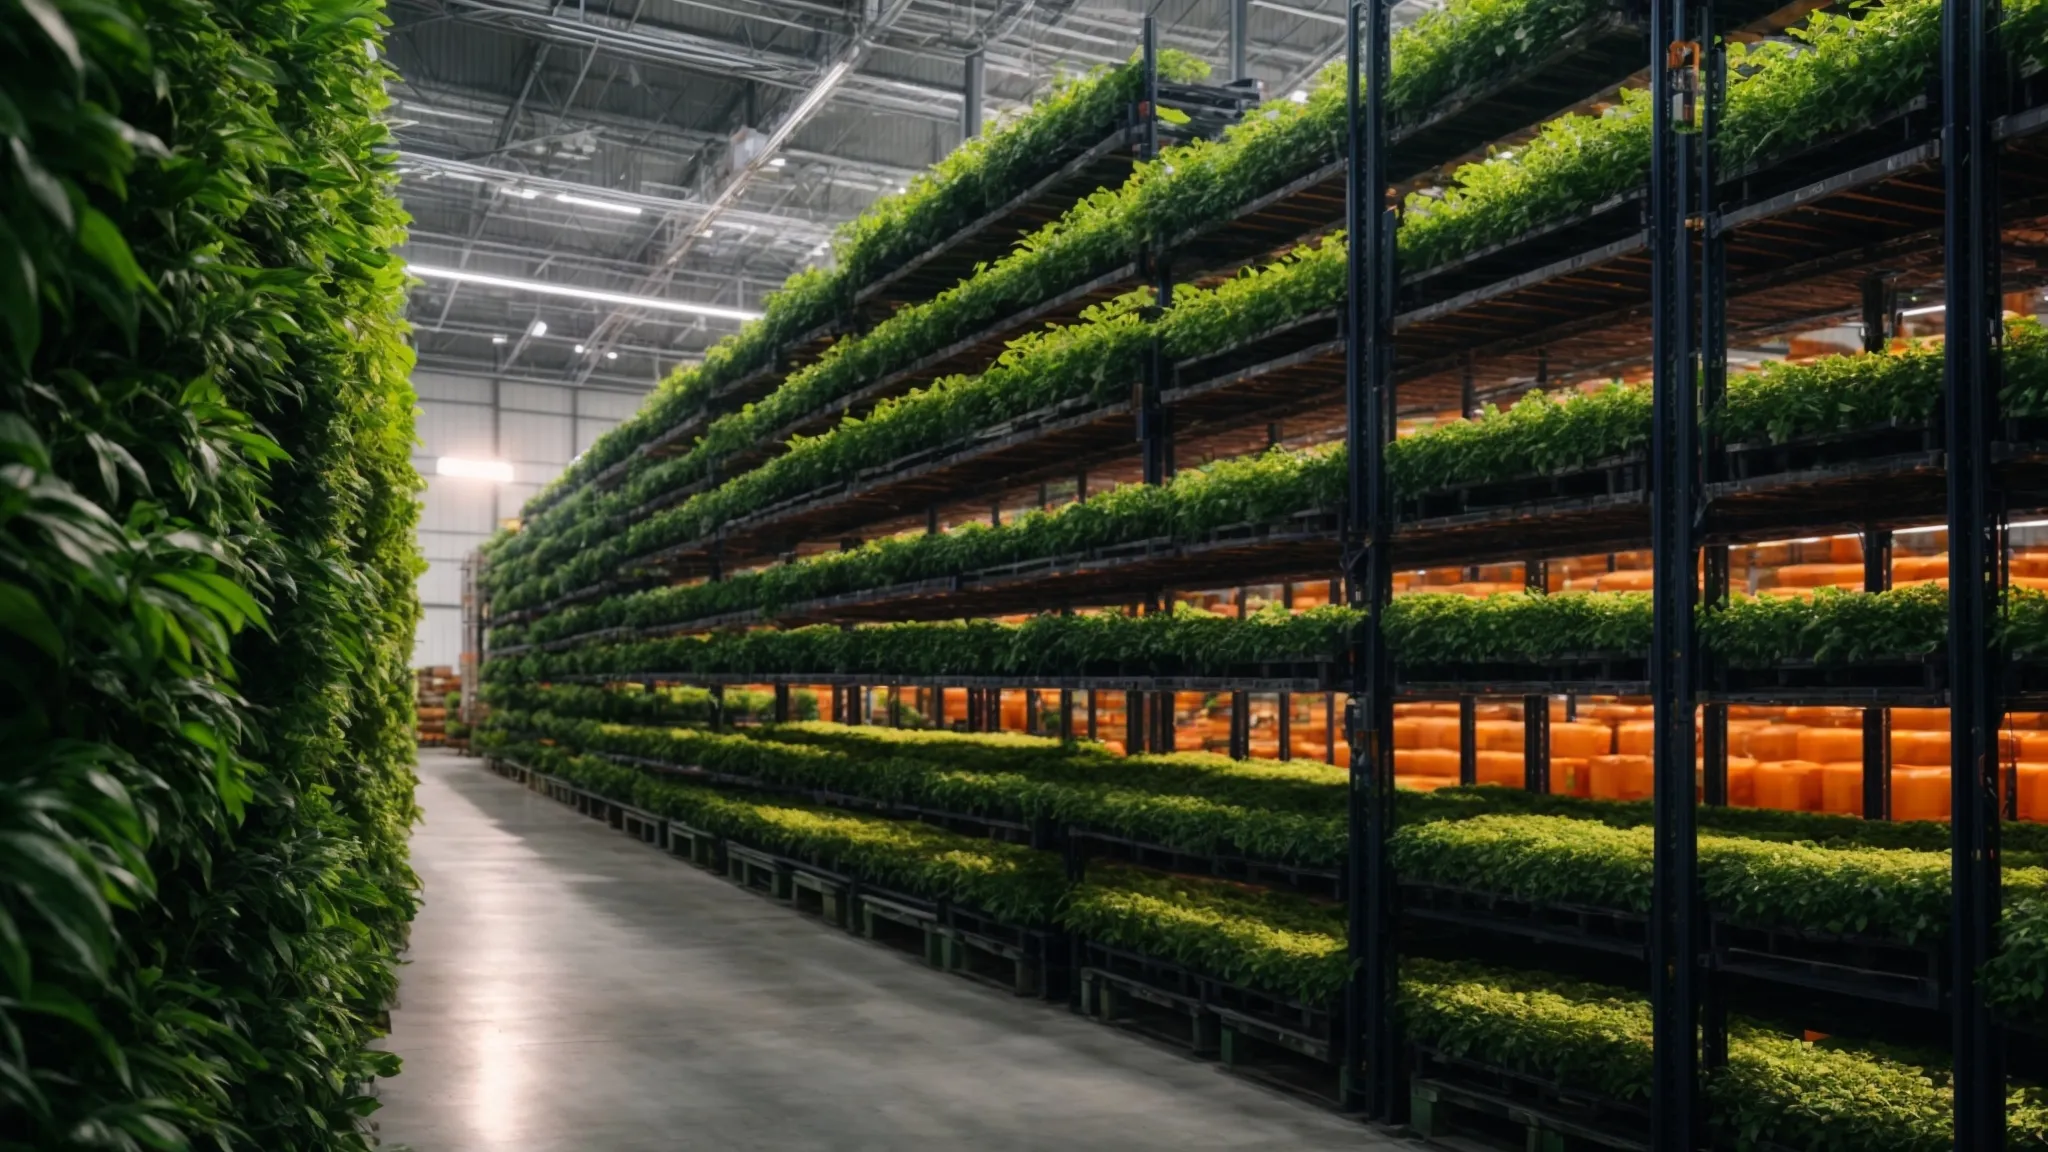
(1972, 75)
(1713, 322)
(1536, 708)
(1155, 430)
(1877, 722)
(1371, 1031)
(1675, 945)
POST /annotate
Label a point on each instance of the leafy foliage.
(1821, 829)
(1537, 436)
(206, 572)
(1256, 937)
(1005, 880)
(1834, 627)
(1259, 489)
(1186, 641)
(1466, 42)
(634, 704)
(1893, 894)
(1776, 1090)
(985, 172)
(1437, 629)
(1204, 808)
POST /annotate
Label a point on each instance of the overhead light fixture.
(496, 470)
(445, 114)
(537, 329)
(778, 162)
(611, 355)
(600, 205)
(579, 349)
(542, 288)
(524, 193)
(1923, 311)
(497, 339)
(1299, 95)
(1303, 13)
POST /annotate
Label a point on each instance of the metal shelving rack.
(1687, 508)
(1686, 240)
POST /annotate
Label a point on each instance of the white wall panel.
(539, 428)
(439, 640)
(456, 504)
(587, 432)
(613, 406)
(535, 398)
(438, 545)
(455, 430)
(429, 387)
(525, 439)
(441, 584)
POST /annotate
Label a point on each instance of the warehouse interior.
(721, 143)
(1024, 575)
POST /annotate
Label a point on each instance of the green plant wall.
(206, 571)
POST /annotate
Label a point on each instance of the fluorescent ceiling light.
(496, 470)
(430, 110)
(1923, 311)
(523, 193)
(579, 349)
(778, 162)
(542, 288)
(537, 328)
(601, 205)
(1303, 13)
(497, 339)
(611, 355)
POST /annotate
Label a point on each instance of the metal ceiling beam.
(647, 43)
(505, 178)
(647, 137)
(835, 70)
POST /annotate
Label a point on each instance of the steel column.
(1675, 944)
(1468, 740)
(1536, 709)
(1972, 75)
(1155, 423)
(1877, 722)
(1371, 1030)
(1240, 39)
(973, 82)
(1714, 717)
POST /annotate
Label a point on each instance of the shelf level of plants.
(1058, 434)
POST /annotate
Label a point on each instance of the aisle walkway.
(570, 989)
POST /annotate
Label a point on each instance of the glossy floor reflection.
(568, 988)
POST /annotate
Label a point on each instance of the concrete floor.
(568, 988)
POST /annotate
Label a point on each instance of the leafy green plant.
(1466, 42)
(1258, 489)
(983, 173)
(1893, 894)
(1004, 880)
(1186, 641)
(1212, 806)
(1436, 629)
(1255, 937)
(1822, 829)
(1776, 1090)
(206, 540)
